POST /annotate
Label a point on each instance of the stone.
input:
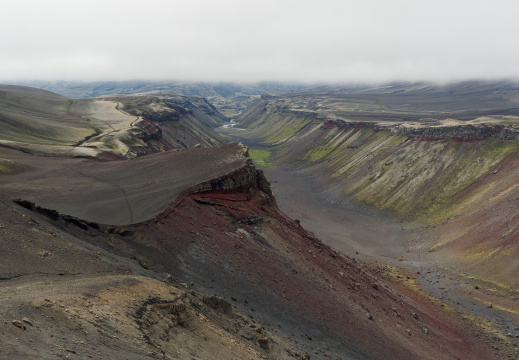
(19, 324)
(263, 342)
(27, 321)
(217, 303)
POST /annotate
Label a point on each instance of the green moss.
(379, 171)
(157, 144)
(6, 168)
(259, 157)
(276, 127)
(317, 154)
(284, 132)
(499, 148)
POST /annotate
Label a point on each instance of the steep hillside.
(172, 121)
(37, 117)
(223, 235)
(38, 121)
(70, 294)
(428, 171)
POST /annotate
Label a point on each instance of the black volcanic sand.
(118, 192)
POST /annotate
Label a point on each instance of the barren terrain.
(174, 251)
(224, 237)
(420, 178)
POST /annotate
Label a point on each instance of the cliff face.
(244, 184)
(467, 132)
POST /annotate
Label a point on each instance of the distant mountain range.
(73, 89)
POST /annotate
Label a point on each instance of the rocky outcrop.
(164, 116)
(150, 130)
(245, 183)
(242, 180)
(57, 216)
(467, 132)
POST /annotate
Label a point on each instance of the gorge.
(149, 233)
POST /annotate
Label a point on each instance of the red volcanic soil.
(239, 246)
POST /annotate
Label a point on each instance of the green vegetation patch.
(259, 157)
(282, 128)
(283, 133)
(317, 154)
(500, 149)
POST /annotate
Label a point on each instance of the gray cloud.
(326, 40)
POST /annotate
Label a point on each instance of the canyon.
(143, 232)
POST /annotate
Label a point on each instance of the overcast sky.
(284, 40)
